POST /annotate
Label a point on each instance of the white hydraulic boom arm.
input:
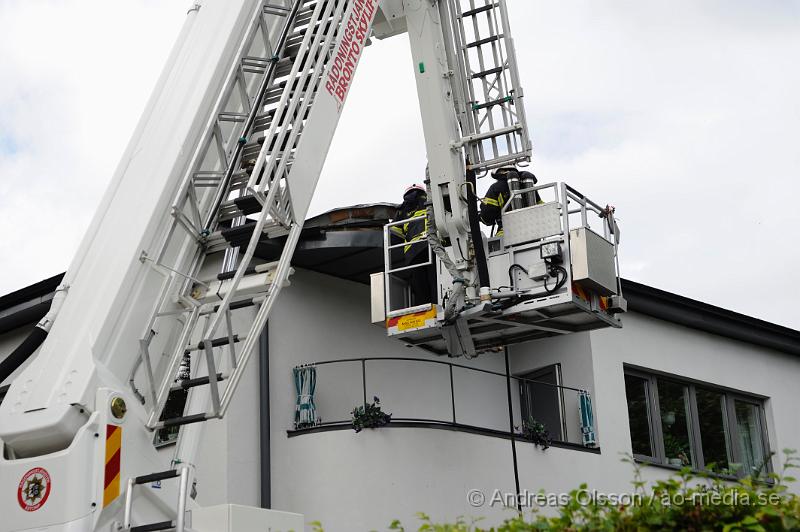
(233, 140)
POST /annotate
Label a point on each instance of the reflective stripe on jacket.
(493, 202)
(415, 229)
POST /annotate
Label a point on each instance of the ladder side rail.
(251, 118)
(478, 154)
(271, 196)
(296, 85)
(260, 321)
(284, 264)
(202, 146)
(294, 92)
(172, 368)
(504, 86)
(260, 175)
(454, 39)
(190, 252)
(485, 85)
(285, 208)
(458, 81)
(519, 102)
(320, 59)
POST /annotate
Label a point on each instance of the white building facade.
(682, 383)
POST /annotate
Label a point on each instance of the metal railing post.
(364, 380)
(183, 494)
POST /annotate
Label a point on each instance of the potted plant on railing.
(536, 433)
(370, 416)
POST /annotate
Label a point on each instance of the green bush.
(685, 501)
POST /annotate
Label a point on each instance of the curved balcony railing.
(441, 394)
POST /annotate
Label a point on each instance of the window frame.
(524, 395)
(695, 437)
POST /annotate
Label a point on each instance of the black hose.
(475, 228)
(560, 275)
(18, 357)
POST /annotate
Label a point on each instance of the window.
(637, 393)
(679, 423)
(673, 410)
(543, 400)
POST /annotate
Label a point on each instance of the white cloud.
(682, 114)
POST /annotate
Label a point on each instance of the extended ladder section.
(242, 177)
(486, 79)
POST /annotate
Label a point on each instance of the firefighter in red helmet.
(422, 279)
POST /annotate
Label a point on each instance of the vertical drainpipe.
(511, 435)
(263, 419)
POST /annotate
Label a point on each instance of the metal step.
(487, 73)
(155, 477)
(247, 205)
(227, 237)
(193, 383)
(183, 420)
(478, 10)
(163, 525)
(486, 105)
(490, 134)
(481, 42)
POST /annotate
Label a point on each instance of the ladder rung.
(247, 205)
(264, 121)
(231, 117)
(478, 137)
(481, 42)
(478, 10)
(486, 73)
(192, 383)
(477, 106)
(163, 525)
(183, 420)
(504, 160)
(231, 274)
(239, 304)
(155, 477)
(274, 9)
(216, 342)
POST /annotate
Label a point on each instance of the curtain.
(587, 419)
(305, 383)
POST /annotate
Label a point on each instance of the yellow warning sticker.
(415, 321)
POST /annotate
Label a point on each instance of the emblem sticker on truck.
(33, 489)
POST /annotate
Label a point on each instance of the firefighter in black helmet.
(499, 193)
(423, 279)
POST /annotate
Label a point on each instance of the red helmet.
(415, 187)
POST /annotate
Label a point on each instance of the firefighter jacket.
(413, 230)
(493, 202)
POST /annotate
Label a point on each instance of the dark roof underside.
(348, 243)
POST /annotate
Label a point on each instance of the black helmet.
(527, 175)
(504, 173)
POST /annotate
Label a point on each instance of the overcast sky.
(683, 114)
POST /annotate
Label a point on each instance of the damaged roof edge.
(29, 304)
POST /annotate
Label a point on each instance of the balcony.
(437, 394)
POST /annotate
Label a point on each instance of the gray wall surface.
(362, 481)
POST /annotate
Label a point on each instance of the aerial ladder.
(169, 291)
